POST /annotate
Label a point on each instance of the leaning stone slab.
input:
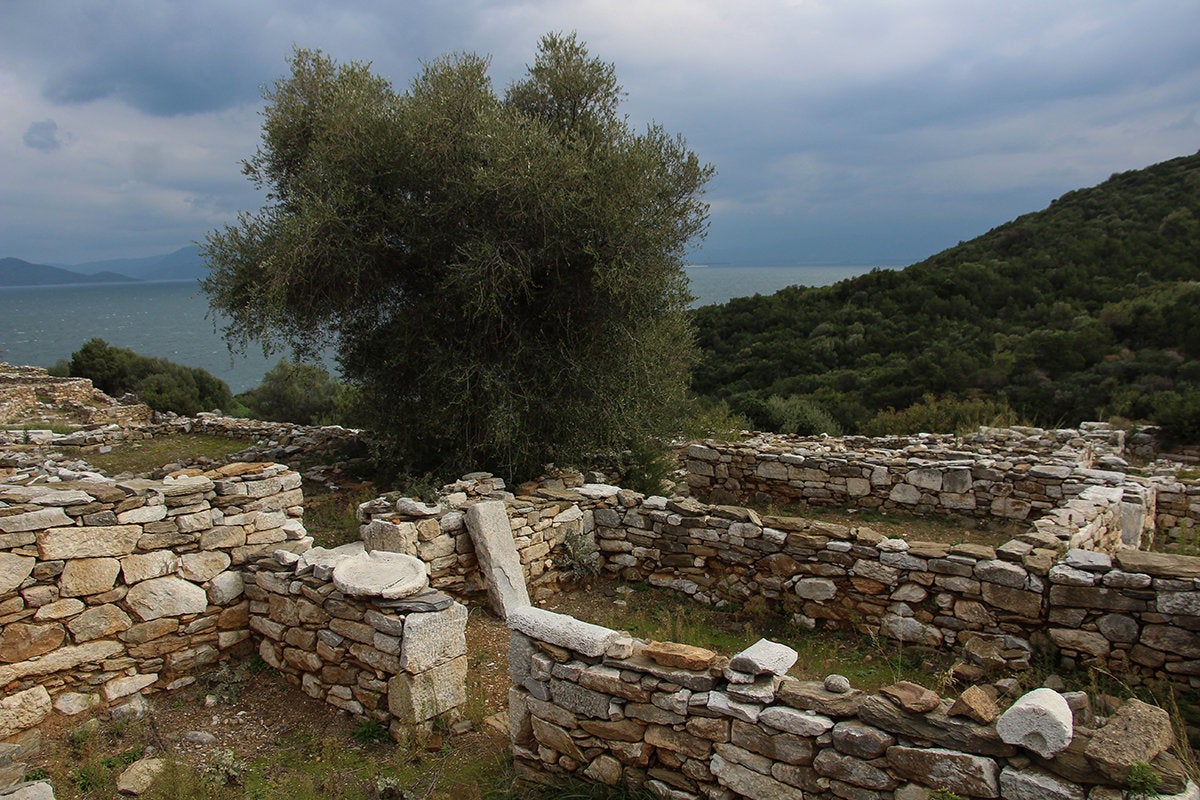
(488, 525)
(22, 710)
(582, 637)
(1040, 721)
(166, 597)
(380, 574)
(765, 656)
(1137, 732)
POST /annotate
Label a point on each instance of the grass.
(910, 527)
(331, 517)
(147, 455)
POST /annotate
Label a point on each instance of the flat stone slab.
(380, 574)
(559, 629)
(764, 656)
(323, 560)
(1160, 565)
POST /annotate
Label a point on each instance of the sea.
(172, 320)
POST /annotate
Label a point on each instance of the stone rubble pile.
(686, 724)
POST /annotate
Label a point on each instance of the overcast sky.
(842, 131)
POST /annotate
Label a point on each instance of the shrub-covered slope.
(1085, 310)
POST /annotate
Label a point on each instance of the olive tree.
(500, 273)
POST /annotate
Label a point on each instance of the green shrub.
(648, 468)
(941, 415)
(293, 392)
(1178, 415)
(161, 384)
(799, 415)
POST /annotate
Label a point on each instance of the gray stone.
(33, 790)
(491, 533)
(323, 560)
(562, 630)
(392, 537)
(1088, 559)
(203, 566)
(144, 566)
(853, 771)
(72, 703)
(431, 639)
(801, 723)
(1118, 627)
(1035, 784)
(1136, 733)
(1040, 721)
(953, 733)
(62, 658)
(421, 602)
(816, 589)
(837, 684)
(226, 587)
(749, 783)
(380, 574)
(765, 656)
(421, 697)
(414, 508)
(166, 597)
(14, 570)
(858, 739)
(34, 520)
(722, 703)
(962, 773)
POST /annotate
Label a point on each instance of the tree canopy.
(1084, 310)
(501, 274)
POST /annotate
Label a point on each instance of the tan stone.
(112, 541)
(975, 703)
(22, 710)
(1136, 733)
(86, 576)
(99, 621)
(21, 642)
(679, 656)
(911, 696)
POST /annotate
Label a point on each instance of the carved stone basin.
(380, 574)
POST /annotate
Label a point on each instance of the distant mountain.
(183, 264)
(15, 272)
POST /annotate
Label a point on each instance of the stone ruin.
(216, 564)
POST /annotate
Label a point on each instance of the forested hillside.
(1088, 309)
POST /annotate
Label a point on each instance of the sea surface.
(171, 319)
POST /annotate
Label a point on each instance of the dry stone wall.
(114, 589)
(592, 703)
(1013, 474)
(397, 661)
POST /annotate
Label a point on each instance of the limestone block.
(22, 710)
(323, 560)
(421, 697)
(144, 566)
(433, 638)
(1040, 721)
(99, 621)
(492, 536)
(379, 574)
(20, 642)
(853, 771)
(679, 656)
(60, 609)
(817, 589)
(562, 630)
(72, 703)
(142, 514)
(392, 537)
(965, 774)
(765, 656)
(166, 597)
(86, 576)
(14, 570)
(113, 541)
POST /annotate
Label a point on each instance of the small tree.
(293, 392)
(501, 275)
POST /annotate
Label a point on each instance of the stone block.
(99, 621)
(14, 570)
(562, 630)
(492, 536)
(88, 576)
(1040, 721)
(166, 597)
(433, 638)
(113, 541)
(1136, 733)
(764, 657)
(23, 710)
(962, 773)
(21, 642)
(421, 697)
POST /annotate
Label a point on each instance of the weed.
(942, 793)
(37, 774)
(1143, 781)
(371, 731)
(581, 556)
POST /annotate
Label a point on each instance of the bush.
(799, 415)
(294, 392)
(941, 415)
(1178, 416)
(161, 384)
